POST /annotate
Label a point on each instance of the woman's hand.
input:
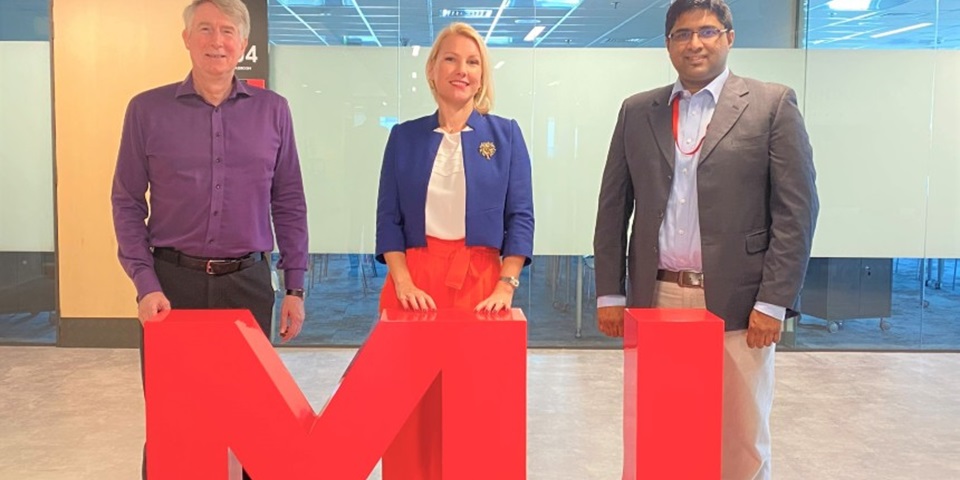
(412, 298)
(499, 301)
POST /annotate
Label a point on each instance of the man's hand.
(291, 317)
(610, 321)
(152, 304)
(763, 330)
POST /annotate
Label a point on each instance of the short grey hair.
(235, 9)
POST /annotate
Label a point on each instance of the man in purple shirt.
(220, 162)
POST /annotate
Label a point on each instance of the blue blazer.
(499, 190)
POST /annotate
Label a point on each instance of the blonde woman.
(454, 212)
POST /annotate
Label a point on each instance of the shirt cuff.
(611, 301)
(293, 279)
(146, 282)
(774, 311)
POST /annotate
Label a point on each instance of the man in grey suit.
(723, 216)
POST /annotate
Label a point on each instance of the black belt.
(684, 279)
(212, 266)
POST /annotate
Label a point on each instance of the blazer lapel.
(424, 164)
(661, 121)
(470, 141)
(731, 105)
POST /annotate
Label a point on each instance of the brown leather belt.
(211, 266)
(684, 279)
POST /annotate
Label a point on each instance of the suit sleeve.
(389, 217)
(518, 212)
(614, 209)
(793, 205)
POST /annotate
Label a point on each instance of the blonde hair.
(483, 100)
(236, 10)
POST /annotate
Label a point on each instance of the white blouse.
(446, 209)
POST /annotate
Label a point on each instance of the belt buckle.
(690, 279)
(210, 263)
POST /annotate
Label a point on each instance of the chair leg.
(953, 285)
(363, 274)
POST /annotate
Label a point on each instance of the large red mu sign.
(218, 394)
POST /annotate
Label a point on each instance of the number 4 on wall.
(251, 55)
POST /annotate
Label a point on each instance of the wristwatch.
(296, 292)
(512, 281)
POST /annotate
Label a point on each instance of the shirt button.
(683, 200)
(689, 141)
(218, 186)
(217, 134)
(219, 159)
(216, 212)
(216, 110)
(684, 170)
(682, 232)
(210, 241)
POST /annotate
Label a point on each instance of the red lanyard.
(676, 129)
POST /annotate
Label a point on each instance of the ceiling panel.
(622, 24)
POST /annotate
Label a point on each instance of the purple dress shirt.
(216, 175)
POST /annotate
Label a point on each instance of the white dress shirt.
(446, 208)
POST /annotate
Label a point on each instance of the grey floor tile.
(78, 413)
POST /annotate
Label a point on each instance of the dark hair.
(717, 7)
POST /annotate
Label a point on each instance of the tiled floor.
(77, 414)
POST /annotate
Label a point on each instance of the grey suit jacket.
(757, 196)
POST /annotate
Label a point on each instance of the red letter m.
(216, 389)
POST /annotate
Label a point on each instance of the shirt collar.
(714, 87)
(465, 129)
(472, 121)
(187, 87)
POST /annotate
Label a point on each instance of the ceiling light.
(546, 3)
(849, 5)
(466, 13)
(901, 30)
(416, 51)
(302, 3)
(499, 64)
(499, 40)
(534, 32)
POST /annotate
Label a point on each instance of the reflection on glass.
(878, 304)
(344, 291)
(887, 169)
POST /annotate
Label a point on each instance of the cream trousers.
(748, 380)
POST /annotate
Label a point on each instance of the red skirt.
(455, 276)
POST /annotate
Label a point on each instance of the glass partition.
(874, 80)
(28, 306)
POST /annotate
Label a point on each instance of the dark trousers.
(249, 289)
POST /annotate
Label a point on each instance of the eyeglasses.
(705, 33)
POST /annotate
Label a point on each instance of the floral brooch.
(487, 150)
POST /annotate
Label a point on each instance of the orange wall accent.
(104, 53)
